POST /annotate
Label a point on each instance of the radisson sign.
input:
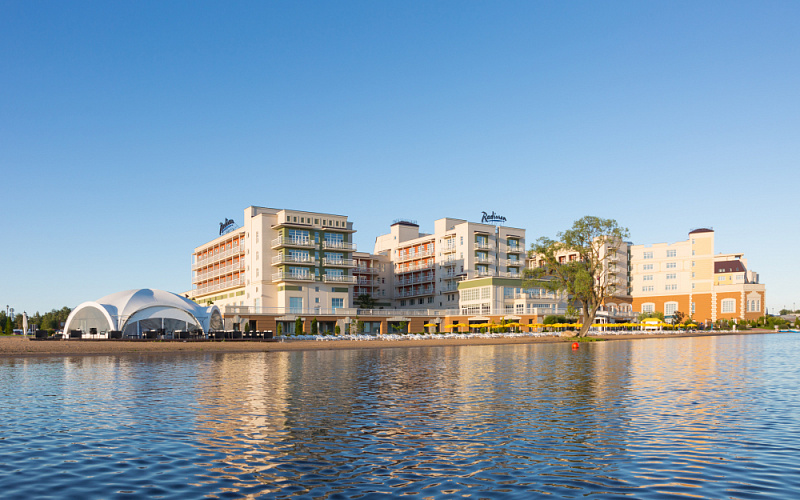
(492, 218)
(227, 226)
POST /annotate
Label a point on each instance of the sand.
(20, 346)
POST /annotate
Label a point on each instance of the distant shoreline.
(12, 347)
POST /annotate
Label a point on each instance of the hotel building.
(474, 268)
(686, 276)
(278, 261)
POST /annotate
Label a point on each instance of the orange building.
(686, 276)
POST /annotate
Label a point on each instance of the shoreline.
(16, 347)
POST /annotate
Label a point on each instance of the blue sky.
(129, 130)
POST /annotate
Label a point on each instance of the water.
(713, 417)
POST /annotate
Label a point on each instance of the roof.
(729, 266)
(701, 230)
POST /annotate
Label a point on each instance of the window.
(672, 265)
(647, 288)
(728, 305)
(672, 253)
(692, 252)
(754, 305)
(672, 276)
(691, 307)
(670, 308)
(648, 307)
(296, 305)
(692, 275)
(647, 267)
(648, 255)
(647, 277)
(336, 304)
(402, 303)
(692, 286)
(671, 287)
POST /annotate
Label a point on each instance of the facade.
(615, 275)
(278, 261)
(374, 277)
(428, 268)
(281, 265)
(686, 276)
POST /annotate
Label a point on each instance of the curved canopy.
(136, 310)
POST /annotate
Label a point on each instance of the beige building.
(686, 276)
(429, 267)
(278, 261)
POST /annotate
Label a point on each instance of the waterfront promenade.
(19, 346)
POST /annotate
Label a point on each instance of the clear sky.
(129, 130)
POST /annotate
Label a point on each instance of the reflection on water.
(706, 417)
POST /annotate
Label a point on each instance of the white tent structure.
(134, 311)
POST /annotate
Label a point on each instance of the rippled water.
(713, 417)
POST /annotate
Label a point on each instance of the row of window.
(726, 306)
(670, 253)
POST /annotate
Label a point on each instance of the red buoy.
(575, 345)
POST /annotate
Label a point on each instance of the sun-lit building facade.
(687, 276)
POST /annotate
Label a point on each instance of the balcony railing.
(415, 267)
(340, 245)
(218, 272)
(285, 241)
(415, 280)
(481, 246)
(416, 255)
(450, 262)
(220, 286)
(483, 260)
(415, 293)
(364, 270)
(294, 259)
(282, 276)
(337, 262)
(449, 248)
(515, 263)
(214, 258)
(514, 249)
(327, 278)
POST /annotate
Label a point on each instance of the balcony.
(449, 249)
(415, 280)
(483, 260)
(293, 259)
(415, 293)
(450, 262)
(217, 257)
(285, 241)
(214, 273)
(283, 276)
(412, 256)
(415, 267)
(217, 287)
(515, 263)
(514, 249)
(509, 275)
(366, 282)
(364, 270)
(327, 278)
(339, 245)
(326, 262)
(479, 245)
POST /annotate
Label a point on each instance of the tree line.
(50, 321)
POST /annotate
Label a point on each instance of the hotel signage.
(492, 218)
(226, 226)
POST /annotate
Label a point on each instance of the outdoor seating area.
(160, 335)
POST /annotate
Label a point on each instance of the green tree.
(9, 326)
(589, 280)
(280, 329)
(298, 326)
(314, 327)
(654, 314)
(365, 301)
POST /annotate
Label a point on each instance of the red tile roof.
(729, 266)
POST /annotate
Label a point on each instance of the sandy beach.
(19, 346)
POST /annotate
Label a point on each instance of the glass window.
(648, 255)
(672, 253)
(336, 304)
(728, 305)
(296, 305)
